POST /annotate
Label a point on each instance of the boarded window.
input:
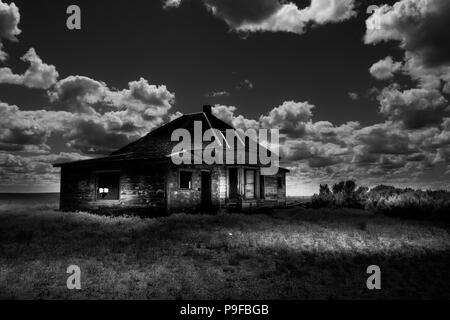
(108, 185)
(185, 180)
(249, 184)
(280, 182)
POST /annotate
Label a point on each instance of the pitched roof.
(157, 144)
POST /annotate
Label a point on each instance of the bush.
(405, 203)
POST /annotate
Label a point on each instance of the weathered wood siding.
(153, 188)
(77, 188)
(272, 193)
(142, 186)
(190, 199)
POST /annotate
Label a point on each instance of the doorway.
(262, 190)
(233, 179)
(206, 190)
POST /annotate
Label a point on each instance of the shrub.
(323, 199)
(404, 203)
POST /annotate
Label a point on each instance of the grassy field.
(294, 253)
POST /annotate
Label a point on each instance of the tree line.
(389, 200)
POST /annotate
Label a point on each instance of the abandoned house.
(141, 177)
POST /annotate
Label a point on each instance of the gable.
(158, 144)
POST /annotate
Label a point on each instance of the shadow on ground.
(292, 254)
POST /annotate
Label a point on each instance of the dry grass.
(294, 254)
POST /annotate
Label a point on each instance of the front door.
(262, 191)
(233, 180)
(206, 189)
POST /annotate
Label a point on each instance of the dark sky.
(195, 53)
(192, 53)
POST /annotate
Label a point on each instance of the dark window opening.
(108, 186)
(185, 180)
(280, 182)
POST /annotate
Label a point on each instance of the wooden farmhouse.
(141, 177)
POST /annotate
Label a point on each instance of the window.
(185, 180)
(280, 182)
(108, 186)
(249, 184)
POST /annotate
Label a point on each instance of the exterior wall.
(77, 188)
(273, 195)
(142, 187)
(223, 186)
(153, 188)
(190, 199)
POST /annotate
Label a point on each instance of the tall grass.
(292, 254)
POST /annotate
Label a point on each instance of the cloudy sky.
(357, 91)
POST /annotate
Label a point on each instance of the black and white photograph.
(225, 150)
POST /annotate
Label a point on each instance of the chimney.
(207, 109)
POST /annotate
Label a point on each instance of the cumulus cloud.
(226, 113)
(95, 136)
(271, 15)
(39, 74)
(167, 4)
(29, 130)
(290, 117)
(418, 115)
(175, 115)
(33, 170)
(415, 108)
(9, 25)
(318, 144)
(383, 138)
(432, 78)
(421, 27)
(78, 93)
(326, 131)
(395, 150)
(385, 68)
(415, 137)
(275, 15)
(325, 11)
(294, 120)
(108, 119)
(84, 95)
(315, 153)
(93, 119)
